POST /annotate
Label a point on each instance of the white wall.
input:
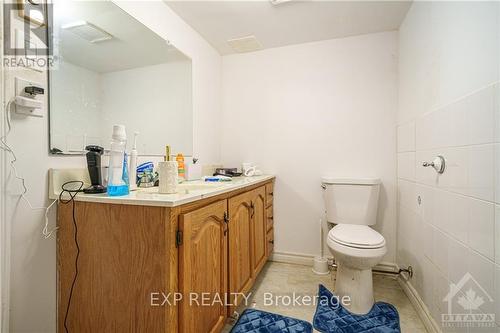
(154, 101)
(448, 104)
(304, 111)
(33, 260)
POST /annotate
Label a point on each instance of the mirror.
(111, 69)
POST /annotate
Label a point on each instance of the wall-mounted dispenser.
(26, 100)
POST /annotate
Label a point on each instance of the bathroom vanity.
(163, 263)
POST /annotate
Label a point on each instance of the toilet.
(351, 205)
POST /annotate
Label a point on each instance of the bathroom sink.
(186, 187)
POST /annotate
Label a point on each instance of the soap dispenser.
(168, 174)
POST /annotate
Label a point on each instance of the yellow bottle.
(181, 165)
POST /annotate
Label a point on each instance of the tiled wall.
(449, 224)
(455, 226)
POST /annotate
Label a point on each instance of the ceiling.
(289, 23)
(133, 44)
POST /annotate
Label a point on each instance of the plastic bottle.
(118, 173)
(181, 165)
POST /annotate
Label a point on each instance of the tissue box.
(192, 171)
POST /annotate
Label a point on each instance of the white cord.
(46, 233)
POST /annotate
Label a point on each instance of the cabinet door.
(259, 229)
(203, 268)
(240, 248)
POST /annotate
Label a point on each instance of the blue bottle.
(118, 182)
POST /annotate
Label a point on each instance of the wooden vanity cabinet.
(247, 241)
(240, 246)
(203, 268)
(259, 230)
(217, 245)
(269, 219)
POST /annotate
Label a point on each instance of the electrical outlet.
(19, 87)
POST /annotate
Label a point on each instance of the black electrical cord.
(72, 194)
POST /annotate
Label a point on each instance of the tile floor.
(283, 279)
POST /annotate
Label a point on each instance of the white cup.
(168, 172)
(248, 169)
(249, 172)
(245, 166)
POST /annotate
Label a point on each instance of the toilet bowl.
(351, 205)
(356, 249)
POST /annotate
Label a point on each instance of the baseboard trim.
(420, 307)
(308, 260)
(292, 258)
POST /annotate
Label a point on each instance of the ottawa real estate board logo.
(27, 34)
(469, 305)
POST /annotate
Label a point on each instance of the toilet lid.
(359, 236)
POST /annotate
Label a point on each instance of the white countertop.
(187, 192)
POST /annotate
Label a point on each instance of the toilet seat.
(356, 236)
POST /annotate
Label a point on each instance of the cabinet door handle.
(253, 210)
(226, 223)
(271, 241)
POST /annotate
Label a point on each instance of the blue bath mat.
(331, 317)
(256, 321)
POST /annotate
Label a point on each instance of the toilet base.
(358, 285)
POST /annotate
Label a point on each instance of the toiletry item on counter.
(95, 170)
(145, 174)
(217, 179)
(169, 177)
(193, 170)
(181, 166)
(147, 179)
(169, 174)
(144, 167)
(230, 172)
(133, 164)
(118, 173)
(250, 170)
(246, 167)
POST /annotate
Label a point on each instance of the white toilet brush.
(320, 265)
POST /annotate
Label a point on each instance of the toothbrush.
(133, 164)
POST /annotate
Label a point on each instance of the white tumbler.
(169, 175)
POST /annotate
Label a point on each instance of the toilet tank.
(351, 200)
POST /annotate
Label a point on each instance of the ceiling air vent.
(88, 31)
(245, 44)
